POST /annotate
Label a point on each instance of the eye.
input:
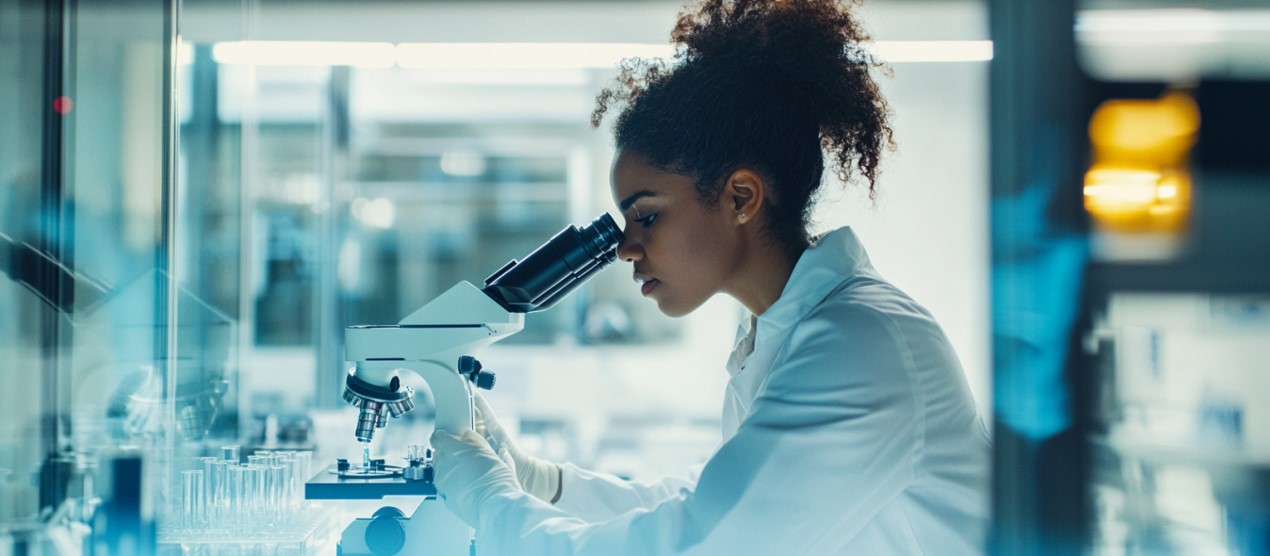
(647, 220)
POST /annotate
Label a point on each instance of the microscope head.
(556, 268)
(435, 341)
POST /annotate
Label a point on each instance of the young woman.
(848, 426)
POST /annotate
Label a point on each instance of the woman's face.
(683, 250)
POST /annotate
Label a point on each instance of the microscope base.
(431, 529)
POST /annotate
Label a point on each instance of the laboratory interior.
(253, 252)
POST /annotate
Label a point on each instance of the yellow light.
(1139, 181)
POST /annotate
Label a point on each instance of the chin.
(676, 310)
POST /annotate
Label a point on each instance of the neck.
(764, 274)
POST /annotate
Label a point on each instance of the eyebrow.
(627, 202)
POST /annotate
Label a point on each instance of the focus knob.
(484, 380)
(468, 365)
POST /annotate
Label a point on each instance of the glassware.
(192, 496)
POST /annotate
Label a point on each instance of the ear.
(743, 194)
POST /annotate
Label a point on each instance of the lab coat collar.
(830, 260)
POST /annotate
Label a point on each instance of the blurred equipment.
(1131, 286)
(433, 343)
(116, 339)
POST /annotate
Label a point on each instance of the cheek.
(702, 255)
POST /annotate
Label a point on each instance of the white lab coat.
(848, 428)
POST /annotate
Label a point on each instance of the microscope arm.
(462, 320)
(429, 344)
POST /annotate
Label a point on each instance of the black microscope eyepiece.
(556, 268)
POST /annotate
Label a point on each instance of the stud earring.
(740, 217)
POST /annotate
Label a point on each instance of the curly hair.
(765, 85)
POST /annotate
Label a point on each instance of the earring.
(740, 217)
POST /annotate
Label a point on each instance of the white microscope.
(435, 343)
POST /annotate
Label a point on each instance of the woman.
(848, 426)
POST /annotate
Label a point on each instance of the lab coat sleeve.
(596, 496)
(833, 438)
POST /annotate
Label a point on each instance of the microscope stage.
(329, 484)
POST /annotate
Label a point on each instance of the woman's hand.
(468, 472)
(538, 477)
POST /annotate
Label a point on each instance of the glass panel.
(433, 205)
(24, 107)
(89, 298)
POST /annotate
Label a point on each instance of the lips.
(646, 282)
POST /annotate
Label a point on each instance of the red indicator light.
(63, 105)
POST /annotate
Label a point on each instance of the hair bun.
(780, 34)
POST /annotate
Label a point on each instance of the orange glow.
(1139, 181)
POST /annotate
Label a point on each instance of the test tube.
(304, 461)
(237, 477)
(192, 494)
(218, 502)
(209, 488)
(265, 457)
(230, 453)
(256, 495)
(278, 480)
(290, 484)
(306, 465)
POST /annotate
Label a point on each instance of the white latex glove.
(538, 477)
(467, 473)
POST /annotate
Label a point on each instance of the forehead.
(633, 174)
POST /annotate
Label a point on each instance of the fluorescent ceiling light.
(1171, 26)
(305, 53)
(528, 56)
(520, 77)
(524, 55)
(899, 52)
(607, 55)
(1149, 26)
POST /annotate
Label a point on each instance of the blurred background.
(197, 196)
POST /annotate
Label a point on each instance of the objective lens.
(367, 419)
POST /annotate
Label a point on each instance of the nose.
(629, 249)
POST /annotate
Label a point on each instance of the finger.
(483, 410)
(506, 456)
(444, 441)
(473, 438)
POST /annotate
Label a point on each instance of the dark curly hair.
(765, 85)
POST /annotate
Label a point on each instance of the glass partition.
(93, 362)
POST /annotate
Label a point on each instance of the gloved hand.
(538, 477)
(467, 473)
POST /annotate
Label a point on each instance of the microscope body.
(435, 343)
(429, 343)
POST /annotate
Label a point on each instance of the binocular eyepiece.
(556, 268)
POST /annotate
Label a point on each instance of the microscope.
(435, 343)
